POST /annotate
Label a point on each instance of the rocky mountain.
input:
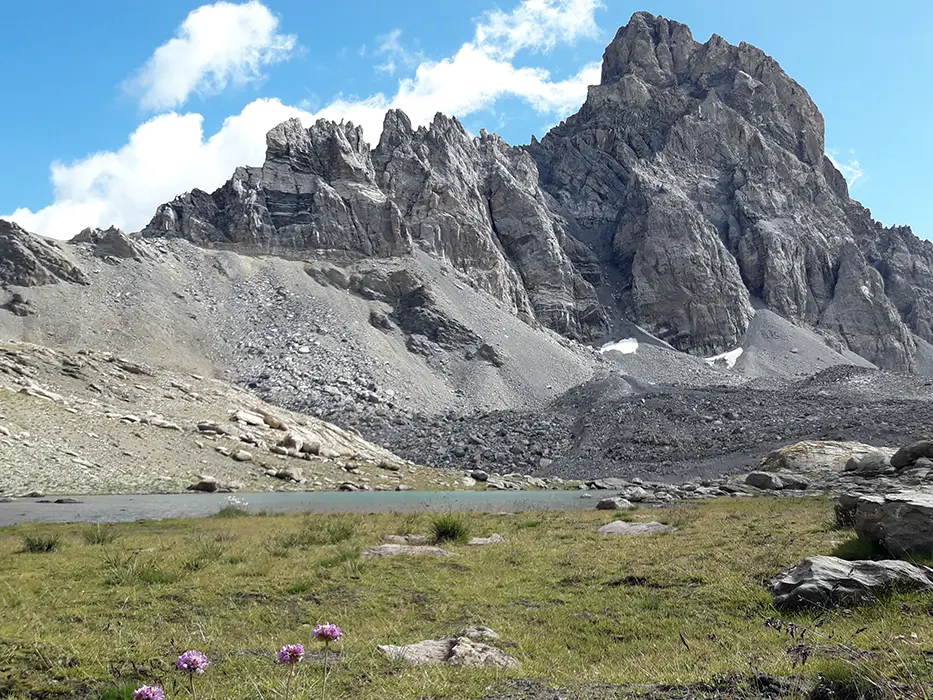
(690, 189)
(631, 295)
(697, 175)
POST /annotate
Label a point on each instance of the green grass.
(41, 544)
(575, 608)
(101, 534)
(450, 528)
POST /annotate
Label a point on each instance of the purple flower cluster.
(327, 633)
(192, 662)
(149, 692)
(290, 654)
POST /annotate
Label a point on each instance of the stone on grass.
(417, 540)
(821, 581)
(479, 633)
(620, 527)
(901, 522)
(494, 538)
(459, 651)
(391, 550)
(614, 504)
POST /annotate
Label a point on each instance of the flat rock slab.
(620, 527)
(459, 651)
(392, 550)
(901, 522)
(494, 538)
(823, 581)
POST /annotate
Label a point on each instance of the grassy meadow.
(94, 611)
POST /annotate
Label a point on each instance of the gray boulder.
(872, 464)
(906, 456)
(764, 480)
(614, 504)
(820, 582)
(793, 482)
(901, 522)
(206, 484)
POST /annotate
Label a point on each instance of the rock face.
(902, 522)
(28, 261)
(696, 175)
(474, 203)
(691, 188)
(823, 581)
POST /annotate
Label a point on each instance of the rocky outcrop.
(821, 582)
(697, 171)
(110, 243)
(473, 202)
(28, 261)
(901, 522)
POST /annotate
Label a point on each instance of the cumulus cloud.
(217, 45)
(538, 25)
(170, 154)
(850, 168)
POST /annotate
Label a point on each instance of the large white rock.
(459, 651)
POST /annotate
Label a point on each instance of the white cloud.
(169, 154)
(538, 25)
(215, 46)
(395, 53)
(851, 169)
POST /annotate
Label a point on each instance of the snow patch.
(626, 346)
(727, 358)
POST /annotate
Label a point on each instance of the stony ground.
(73, 423)
(539, 405)
(613, 427)
(674, 616)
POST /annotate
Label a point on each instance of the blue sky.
(113, 107)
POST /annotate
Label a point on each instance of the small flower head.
(192, 662)
(149, 692)
(327, 633)
(290, 654)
